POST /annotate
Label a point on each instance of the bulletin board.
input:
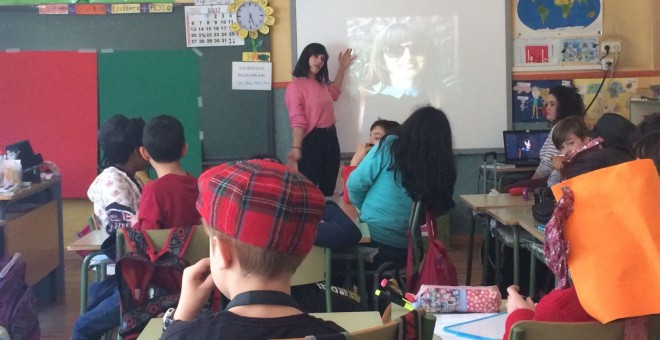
(557, 35)
(235, 123)
(38, 90)
(150, 83)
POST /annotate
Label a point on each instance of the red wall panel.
(51, 99)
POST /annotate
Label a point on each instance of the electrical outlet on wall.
(606, 64)
(615, 46)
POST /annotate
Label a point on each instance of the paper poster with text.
(251, 76)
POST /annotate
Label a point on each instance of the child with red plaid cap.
(261, 218)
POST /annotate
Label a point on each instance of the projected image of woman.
(401, 73)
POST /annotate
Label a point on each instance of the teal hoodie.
(382, 201)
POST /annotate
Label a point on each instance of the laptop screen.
(524, 146)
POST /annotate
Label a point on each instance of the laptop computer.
(523, 147)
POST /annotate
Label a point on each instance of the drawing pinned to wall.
(535, 52)
(553, 18)
(615, 95)
(567, 53)
(579, 50)
(529, 98)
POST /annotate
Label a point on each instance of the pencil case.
(459, 299)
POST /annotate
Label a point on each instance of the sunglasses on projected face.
(397, 51)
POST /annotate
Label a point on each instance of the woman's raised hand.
(346, 58)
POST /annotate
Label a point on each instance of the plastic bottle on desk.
(4, 335)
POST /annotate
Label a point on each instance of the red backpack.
(436, 267)
(149, 283)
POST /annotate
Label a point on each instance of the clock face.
(250, 16)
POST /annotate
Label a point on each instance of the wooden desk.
(521, 216)
(91, 241)
(350, 321)
(514, 217)
(31, 224)
(478, 203)
(502, 172)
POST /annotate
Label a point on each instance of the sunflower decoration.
(252, 17)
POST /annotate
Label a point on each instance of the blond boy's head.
(261, 212)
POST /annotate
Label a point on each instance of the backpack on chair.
(149, 282)
(436, 267)
(18, 306)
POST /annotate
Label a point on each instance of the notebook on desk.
(489, 327)
(523, 147)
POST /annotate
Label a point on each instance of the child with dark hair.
(562, 102)
(615, 130)
(379, 129)
(261, 219)
(646, 142)
(169, 201)
(388, 180)
(621, 264)
(569, 135)
(115, 194)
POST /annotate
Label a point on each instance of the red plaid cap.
(262, 203)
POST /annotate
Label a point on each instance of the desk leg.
(498, 260)
(532, 274)
(468, 278)
(516, 256)
(362, 283)
(486, 254)
(328, 280)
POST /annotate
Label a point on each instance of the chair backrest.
(198, 248)
(417, 219)
(312, 269)
(93, 222)
(389, 331)
(526, 330)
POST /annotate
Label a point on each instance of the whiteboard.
(456, 52)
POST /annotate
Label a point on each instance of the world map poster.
(552, 18)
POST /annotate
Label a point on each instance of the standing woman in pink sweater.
(309, 99)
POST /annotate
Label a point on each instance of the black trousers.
(320, 158)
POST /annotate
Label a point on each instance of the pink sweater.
(310, 104)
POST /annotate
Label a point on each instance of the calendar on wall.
(209, 26)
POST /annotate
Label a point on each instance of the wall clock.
(252, 17)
